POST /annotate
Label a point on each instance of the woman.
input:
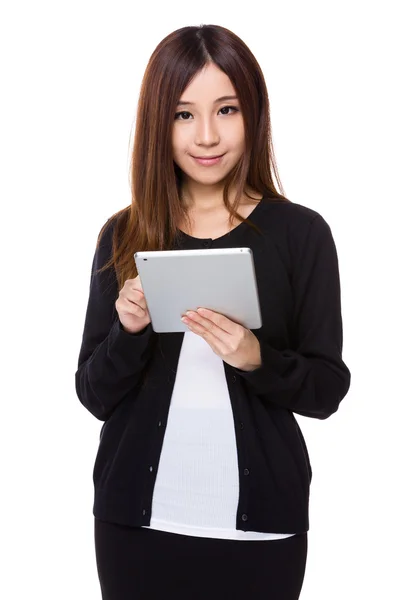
(202, 475)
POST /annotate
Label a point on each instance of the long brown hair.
(151, 221)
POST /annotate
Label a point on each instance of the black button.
(234, 378)
(151, 468)
(159, 423)
(244, 517)
(246, 472)
(241, 425)
(206, 243)
(144, 511)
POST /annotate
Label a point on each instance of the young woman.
(202, 475)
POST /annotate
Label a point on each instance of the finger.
(207, 328)
(218, 346)
(134, 296)
(220, 320)
(134, 308)
(136, 285)
(138, 298)
(199, 329)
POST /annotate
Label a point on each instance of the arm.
(111, 361)
(311, 379)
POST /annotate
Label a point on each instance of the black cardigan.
(127, 380)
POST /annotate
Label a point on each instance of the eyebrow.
(222, 99)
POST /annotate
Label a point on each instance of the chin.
(211, 179)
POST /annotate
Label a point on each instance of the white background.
(338, 80)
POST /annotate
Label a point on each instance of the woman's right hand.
(131, 306)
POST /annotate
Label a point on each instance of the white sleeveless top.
(196, 491)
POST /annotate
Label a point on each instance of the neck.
(203, 200)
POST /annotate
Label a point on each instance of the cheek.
(180, 145)
(235, 136)
(174, 142)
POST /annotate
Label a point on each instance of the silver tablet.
(221, 279)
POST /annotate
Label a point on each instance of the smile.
(208, 161)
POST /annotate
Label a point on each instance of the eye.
(185, 112)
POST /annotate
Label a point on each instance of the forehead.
(207, 85)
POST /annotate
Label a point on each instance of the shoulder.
(294, 230)
(290, 213)
(292, 219)
(106, 233)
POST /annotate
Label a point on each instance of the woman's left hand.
(235, 344)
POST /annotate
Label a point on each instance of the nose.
(206, 133)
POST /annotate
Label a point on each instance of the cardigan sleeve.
(310, 379)
(111, 361)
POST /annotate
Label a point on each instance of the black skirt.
(135, 563)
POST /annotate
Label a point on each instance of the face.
(205, 126)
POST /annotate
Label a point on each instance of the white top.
(196, 490)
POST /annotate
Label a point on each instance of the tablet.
(221, 279)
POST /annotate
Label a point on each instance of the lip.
(208, 161)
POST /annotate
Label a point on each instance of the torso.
(216, 223)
